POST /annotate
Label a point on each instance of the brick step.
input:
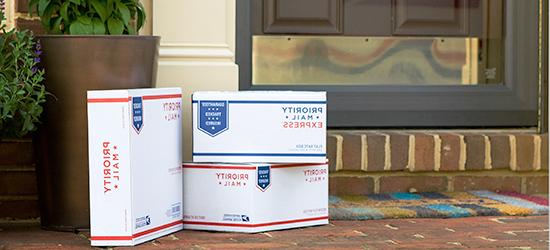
(19, 207)
(360, 183)
(439, 151)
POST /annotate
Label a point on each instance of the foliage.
(90, 17)
(21, 91)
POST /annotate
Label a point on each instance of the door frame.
(512, 104)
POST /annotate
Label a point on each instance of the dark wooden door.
(370, 17)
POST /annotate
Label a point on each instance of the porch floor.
(474, 232)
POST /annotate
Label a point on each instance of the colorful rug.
(435, 205)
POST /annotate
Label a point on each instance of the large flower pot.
(75, 64)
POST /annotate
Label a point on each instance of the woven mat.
(435, 205)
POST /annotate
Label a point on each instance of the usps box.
(259, 126)
(135, 160)
(254, 197)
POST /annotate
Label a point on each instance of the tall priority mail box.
(254, 197)
(259, 126)
(135, 155)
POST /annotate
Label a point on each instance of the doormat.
(435, 205)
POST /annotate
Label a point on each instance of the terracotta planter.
(75, 64)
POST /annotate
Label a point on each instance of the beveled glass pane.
(348, 60)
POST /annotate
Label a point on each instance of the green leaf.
(116, 27)
(42, 5)
(20, 92)
(110, 7)
(80, 28)
(75, 1)
(124, 12)
(100, 9)
(84, 20)
(56, 25)
(98, 26)
(140, 16)
(63, 11)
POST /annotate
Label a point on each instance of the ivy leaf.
(140, 15)
(98, 26)
(78, 27)
(64, 11)
(124, 12)
(100, 9)
(56, 25)
(116, 27)
(42, 5)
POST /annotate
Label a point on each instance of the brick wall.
(24, 21)
(18, 191)
(389, 161)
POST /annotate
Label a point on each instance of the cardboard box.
(259, 126)
(254, 197)
(135, 155)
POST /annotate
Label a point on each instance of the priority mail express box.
(135, 155)
(254, 197)
(259, 126)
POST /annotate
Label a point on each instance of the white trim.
(196, 51)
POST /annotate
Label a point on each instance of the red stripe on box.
(294, 165)
(219, 167)
(137, 235)
(253, 225)
(156, 97)
(100, 100)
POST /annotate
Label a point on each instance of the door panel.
(367, 17)
(431, 17)
(303, 16)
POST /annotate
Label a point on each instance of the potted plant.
(92, 44)
(22, 95)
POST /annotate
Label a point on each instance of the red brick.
(351, 151)
(399, 147)
(525, 152)
(376, 152)
(450, 152)
(475, 151)
(544, 151)
(406, 183)
(537, 184)
(492, 183)
(16, 152)
(332, 146)
(500, 151)
(17, 183)
(345, 185)
(423, 152)
(34, 25)
(19, 208)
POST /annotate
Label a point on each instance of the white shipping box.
(259, 126)
(135, 155)
(254, 197)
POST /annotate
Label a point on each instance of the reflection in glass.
(342, 60)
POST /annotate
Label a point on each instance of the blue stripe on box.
(273, 102)
(258, 154)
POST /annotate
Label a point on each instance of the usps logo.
(137, 113)
(213, 117)
(263, 176)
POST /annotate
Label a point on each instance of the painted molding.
(219, 52)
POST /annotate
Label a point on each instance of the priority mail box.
(135, 160)
(254, 197)
(259, 126)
